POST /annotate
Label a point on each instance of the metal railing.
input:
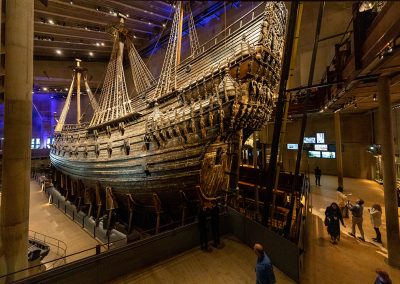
(57, 247)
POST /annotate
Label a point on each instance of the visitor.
(332, 218)
(376, 214)
(382, 277)
(342, 202)
(264, 270)
(202, 219)
(215, 226)
(357, 211)
(317, 173)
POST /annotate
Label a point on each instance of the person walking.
(342, 201)
(317, 173)
(376, 219)
(357, 211)
(264, 269)
(333, 217)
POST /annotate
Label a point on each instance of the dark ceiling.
(67, 29)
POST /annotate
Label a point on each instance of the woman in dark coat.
(332, 218)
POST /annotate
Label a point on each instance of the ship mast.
(78, 92)
(114, 99)
(168, 75)
(179, 44)
(76, 78)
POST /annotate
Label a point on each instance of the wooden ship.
(146, 154)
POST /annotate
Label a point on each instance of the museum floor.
(348, 262)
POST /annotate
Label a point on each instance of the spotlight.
(97, 44)
(45, 89)
(58, 51)
(127, 15)
(134, 36)
(164, 25)
(51, 22)
(90, 53)
(66, 89)
(374, 98)
(71, 2)
(102, 44)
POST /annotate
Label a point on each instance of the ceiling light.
(127, 15)
(102, 44)
(149, 23)
(97, 44)
(374, 98)
(98, 9)
(71, 2)
(45, 89)
(51, 22)
(91, 53)
(164, 25)
(134, 36)
(58, 51)
(66, 89)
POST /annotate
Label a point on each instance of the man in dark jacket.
(264, 269)
(317, 173)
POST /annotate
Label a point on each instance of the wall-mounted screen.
(321, 147)
(331, 147)
(310, 140)
(329, 155)
(293, 146)
(320, 137)
(314, 154)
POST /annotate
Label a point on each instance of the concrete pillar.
(255, 164)
(338, 137)
(14, 212)
(389, 173)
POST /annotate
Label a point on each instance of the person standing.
(333, 217)
(202, 218)
(376, 220)
(215, 226)
(264, 269)
(342, 202)
(357, 211)
(317, 173)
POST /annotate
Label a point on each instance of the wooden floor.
(234, 263)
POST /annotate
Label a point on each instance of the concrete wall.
(357, 132)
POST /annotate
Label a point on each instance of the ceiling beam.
(101, 12)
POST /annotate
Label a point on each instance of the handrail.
(97, 249)
(60, 245)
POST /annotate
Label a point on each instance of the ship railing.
(75, 127)
(225, 33)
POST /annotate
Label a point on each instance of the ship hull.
(189, 137)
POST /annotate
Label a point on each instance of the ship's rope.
(168, 70)
(142, 78)
(193, 38)
(63, 116)
(114, 98)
